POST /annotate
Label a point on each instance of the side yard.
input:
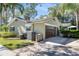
(10, 40)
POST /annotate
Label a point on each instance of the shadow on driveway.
(57, 52)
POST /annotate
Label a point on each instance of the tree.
(68, 7)
(3, 10)
(74, 8)
(30, 10)
(55, 12)
(18, 6)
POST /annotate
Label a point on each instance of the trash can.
(33, 36)
(23, 36)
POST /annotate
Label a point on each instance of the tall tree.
(72, 7)
(55, 12)
(30, 10)
(16, 6)
(3, 10)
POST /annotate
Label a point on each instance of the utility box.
(39, 37)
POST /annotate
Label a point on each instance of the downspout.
(33, 26)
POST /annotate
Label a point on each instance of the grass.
(14, 44)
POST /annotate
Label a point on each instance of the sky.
(43, 10)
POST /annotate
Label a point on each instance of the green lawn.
(14, 44)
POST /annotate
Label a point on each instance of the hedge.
(7, 34)
(70, 33)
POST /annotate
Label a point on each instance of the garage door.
(50, 31)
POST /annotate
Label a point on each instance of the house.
(47, 27)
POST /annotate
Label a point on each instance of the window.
(12, 28)
(28, 28)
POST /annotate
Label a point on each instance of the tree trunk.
(6, 17)
(13, 12)
(76, 15)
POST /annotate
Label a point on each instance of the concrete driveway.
(59, 40)
(5, 52)
(70, 42)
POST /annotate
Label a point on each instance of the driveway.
(59, 40)
(5, 52)
(55, 46)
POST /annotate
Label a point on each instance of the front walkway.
(5, 52)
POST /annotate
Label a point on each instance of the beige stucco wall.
(39, 28)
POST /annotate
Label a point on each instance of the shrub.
(7, 34)
(4, 27)
(10, 44)
(65, 32)
(70, 33)
(18, 45)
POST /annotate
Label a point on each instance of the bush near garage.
(70, 33)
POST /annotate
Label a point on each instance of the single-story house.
(47, 27)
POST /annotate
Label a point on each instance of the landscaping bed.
(15, 44)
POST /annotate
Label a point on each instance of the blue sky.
(43, 10)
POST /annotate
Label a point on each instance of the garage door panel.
(50, 32)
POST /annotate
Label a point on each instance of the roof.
(14, 19)
(50, 25)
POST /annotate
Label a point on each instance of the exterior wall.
(54, 22)
(20, 28)
(39, 28)
(18, 25)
